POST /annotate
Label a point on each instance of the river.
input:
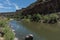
(39, 30)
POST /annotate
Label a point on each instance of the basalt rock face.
(42, 7)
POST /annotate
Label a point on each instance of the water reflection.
(22, 31)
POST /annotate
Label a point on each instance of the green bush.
(46, 17)
(36, 17)
(9, 35)
(53, 16)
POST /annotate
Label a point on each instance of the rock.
(29, 37)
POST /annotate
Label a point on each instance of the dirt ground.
(1, 38)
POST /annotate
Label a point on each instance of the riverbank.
(15, 38)
(5, 29)
(49, 18)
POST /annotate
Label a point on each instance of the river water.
(22, 31)
(39, 30)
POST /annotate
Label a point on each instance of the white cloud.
(3, 7)
(16, 6)
(1, 4)
(7, 2)
(8, 5)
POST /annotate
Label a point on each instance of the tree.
(36, 17)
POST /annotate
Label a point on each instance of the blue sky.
(13, 5)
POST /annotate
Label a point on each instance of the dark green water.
(39, 30)
(48, 31)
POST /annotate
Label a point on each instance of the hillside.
(41, 10)
(42, 7)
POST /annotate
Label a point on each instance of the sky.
(13, 5)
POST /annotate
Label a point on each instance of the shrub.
(36, 17)
(9, 35)
(46, 17)
(53, 16)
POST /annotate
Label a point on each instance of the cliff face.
(42, 7)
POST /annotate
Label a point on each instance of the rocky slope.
(42, 7)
